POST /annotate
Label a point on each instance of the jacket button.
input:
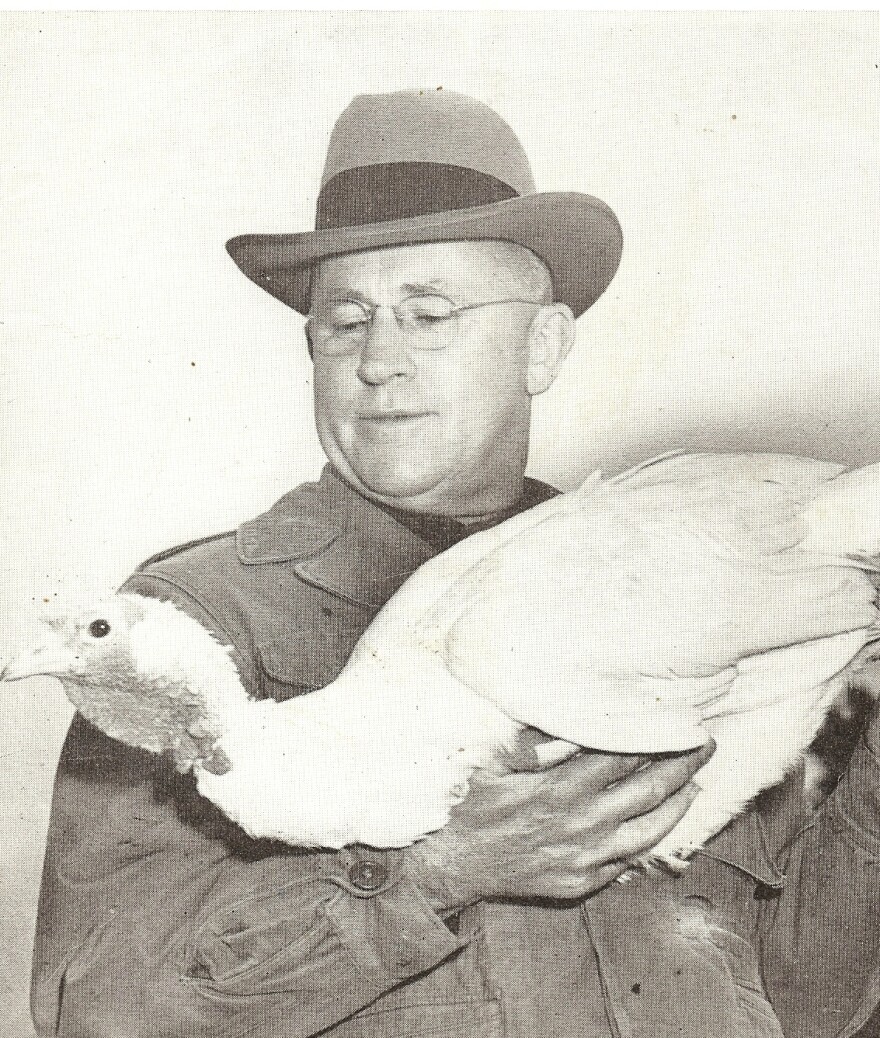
(367, 875)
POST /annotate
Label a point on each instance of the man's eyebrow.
(348, 296)
(426, 288)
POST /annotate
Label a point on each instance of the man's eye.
(428, 312)
(348, 319)
(428, 319)
(348, 327)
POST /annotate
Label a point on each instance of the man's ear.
(551, 336)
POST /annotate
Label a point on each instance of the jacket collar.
(343, 543)
(337, 541)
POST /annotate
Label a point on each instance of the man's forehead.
(438, 266)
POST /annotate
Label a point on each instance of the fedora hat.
(428, 166)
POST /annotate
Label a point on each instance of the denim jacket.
(159, 918)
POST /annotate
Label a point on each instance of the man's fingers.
(641, 834)
(592, 878)
(592, 772)
(556, 751)
(530, 752)
(643, 792)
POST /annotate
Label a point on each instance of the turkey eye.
(99, 628)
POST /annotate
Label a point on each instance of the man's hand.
(560, 834)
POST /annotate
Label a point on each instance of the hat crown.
(422, 166)
(440, 127)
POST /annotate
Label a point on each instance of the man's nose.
(386, 352)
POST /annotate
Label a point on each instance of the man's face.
(429, 429)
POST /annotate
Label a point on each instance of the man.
(441, 294)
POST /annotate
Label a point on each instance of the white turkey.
(697, 595)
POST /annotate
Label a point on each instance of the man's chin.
(396, 488)
(396, 484)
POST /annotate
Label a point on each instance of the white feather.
(377, 757)
(842, 519)
(169, 643)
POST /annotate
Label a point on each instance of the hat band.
(400, 190)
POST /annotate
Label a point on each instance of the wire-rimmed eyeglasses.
(427, 321)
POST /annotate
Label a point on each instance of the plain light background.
(152, 394)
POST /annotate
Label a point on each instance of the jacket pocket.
(257, 946)
(308, 643)
(281, 980)
(289, 668)
(282, 678)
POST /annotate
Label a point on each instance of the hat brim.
(576, 235)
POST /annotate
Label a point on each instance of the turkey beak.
(50, 656)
